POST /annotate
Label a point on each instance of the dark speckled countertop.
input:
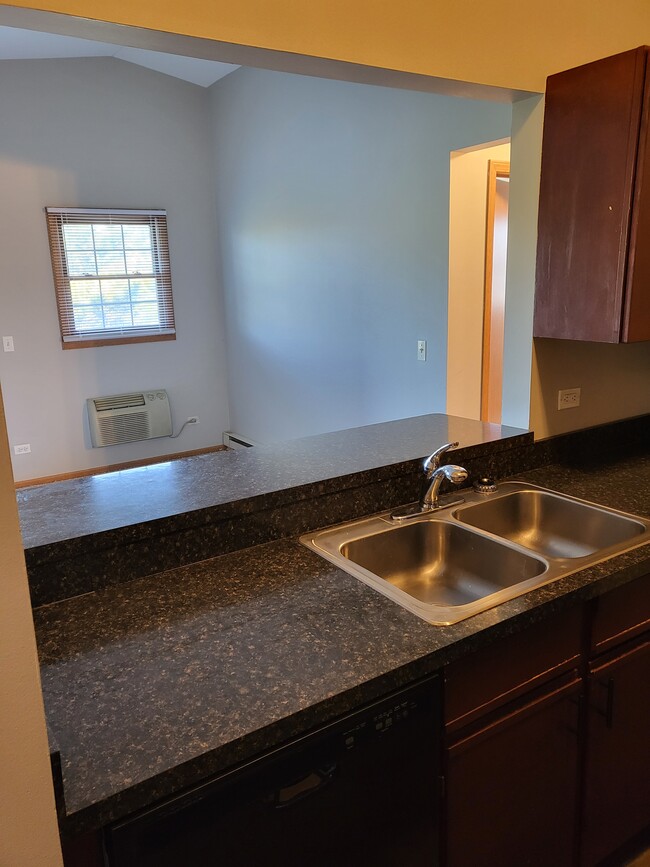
(88, 533)
(153, 685)
(96, 504)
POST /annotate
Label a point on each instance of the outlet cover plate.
(568, 398)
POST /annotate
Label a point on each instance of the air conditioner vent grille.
(124, 428)
(127, 418)
(118, 401)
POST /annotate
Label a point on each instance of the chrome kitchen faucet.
(434, 475)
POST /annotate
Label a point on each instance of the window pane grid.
(111, 273)
(137, 312)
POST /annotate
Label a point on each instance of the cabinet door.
(636, 323)
(512, 787)
(84, 851)
(617, 790)
(591, 136)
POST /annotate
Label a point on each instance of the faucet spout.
(434, 476)
(453, 473)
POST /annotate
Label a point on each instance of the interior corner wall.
(96, 132)
(28, 827)
(525, 164)
(333, 212)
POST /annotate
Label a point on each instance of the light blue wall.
(100, 132)
(333, 210)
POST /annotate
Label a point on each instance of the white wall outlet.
(8, 344)
(23, 449)
(422, 350)
(568, 398)
(194, 419)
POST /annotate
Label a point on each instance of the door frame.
(496, 169)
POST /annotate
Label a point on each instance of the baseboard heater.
(127, 418)
(237, 441)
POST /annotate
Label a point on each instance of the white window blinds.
(112, 275)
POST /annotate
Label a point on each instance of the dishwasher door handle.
(308, 785)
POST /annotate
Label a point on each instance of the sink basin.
(450, 564)
(441, 564)
(551, 524)
(438, 569)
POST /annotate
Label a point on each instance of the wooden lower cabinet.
(531, 781)
(511, 786)
(617, 767)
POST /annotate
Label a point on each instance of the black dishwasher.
(360, 791)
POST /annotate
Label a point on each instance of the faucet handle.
(432, 463)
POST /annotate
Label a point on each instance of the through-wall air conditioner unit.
(126, 418)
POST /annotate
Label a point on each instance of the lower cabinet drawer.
(512, 666)
(621, 614)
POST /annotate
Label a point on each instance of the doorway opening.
(478, 233)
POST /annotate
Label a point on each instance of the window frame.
(73, 338)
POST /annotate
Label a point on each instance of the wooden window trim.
(118, 341)
(73, 337)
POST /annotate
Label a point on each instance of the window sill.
(116, 341)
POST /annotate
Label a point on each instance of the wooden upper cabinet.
(593, 247)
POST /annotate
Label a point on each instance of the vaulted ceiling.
(17, 44)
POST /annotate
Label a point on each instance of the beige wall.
(615, 384)
(514, 45)
(468, 173)
(28, 832)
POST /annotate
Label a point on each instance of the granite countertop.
(153, 685)
(183, 490)
(85, 534)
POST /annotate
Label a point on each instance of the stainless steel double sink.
(450, 564)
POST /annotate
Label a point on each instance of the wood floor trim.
(94, 471)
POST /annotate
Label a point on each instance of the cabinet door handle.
(577, 701)
(608, 713)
